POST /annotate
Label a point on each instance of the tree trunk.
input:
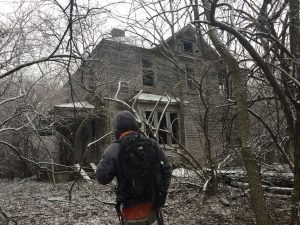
(251, 165)
(295, 220)
(209, 162)
(295, 50)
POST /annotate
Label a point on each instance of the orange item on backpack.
(138, 212)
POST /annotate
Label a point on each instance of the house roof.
(126, 40)
(145, 97)
(187, 28)
(83, 105)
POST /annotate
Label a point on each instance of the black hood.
(124, 121)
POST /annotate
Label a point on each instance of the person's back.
(143, 172)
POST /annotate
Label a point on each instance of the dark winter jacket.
(108, 166)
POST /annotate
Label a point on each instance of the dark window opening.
(180, 46)
(188, 47)
(148, 79)
(221, 80)
(147, 63)
(148, 73)
(151, 121)
(169, 123)
(175, 127)
(190, 75)
(163, 138)
(147, 115)
(93, 129)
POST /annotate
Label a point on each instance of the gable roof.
(190, 31)
(188, 28)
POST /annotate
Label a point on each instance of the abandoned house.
(174, 72)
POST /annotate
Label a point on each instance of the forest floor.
(28, 202)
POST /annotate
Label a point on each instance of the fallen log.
(267, 178)
(270, 189)
(278, 190)
(272, 181)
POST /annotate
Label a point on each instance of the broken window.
(222, 82)
(93, 128)
(151, 121)
(163, 138)
(188, 47)
(148, 73)
(169, 123)
(185, 46)
(174, 127)
(190, 75)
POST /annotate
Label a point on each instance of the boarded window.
(148, 73)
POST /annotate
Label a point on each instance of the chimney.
(117, 33)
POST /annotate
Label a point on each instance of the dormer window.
(185, 46)
(148, 73)
(188, 47)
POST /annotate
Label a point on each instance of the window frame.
(189, 82)
(190, 45)
(155, 120)
(186, 46)
(149, 70)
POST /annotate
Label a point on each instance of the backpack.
(140, 173)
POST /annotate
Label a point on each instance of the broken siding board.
(82, 172)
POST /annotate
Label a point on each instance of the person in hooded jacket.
(138, 213)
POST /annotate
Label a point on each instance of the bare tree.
(270, 45)
(41, 45)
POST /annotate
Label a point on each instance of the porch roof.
(145, 97)
(83, 105)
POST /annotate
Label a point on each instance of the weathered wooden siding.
(124, 63)
(113, 61)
